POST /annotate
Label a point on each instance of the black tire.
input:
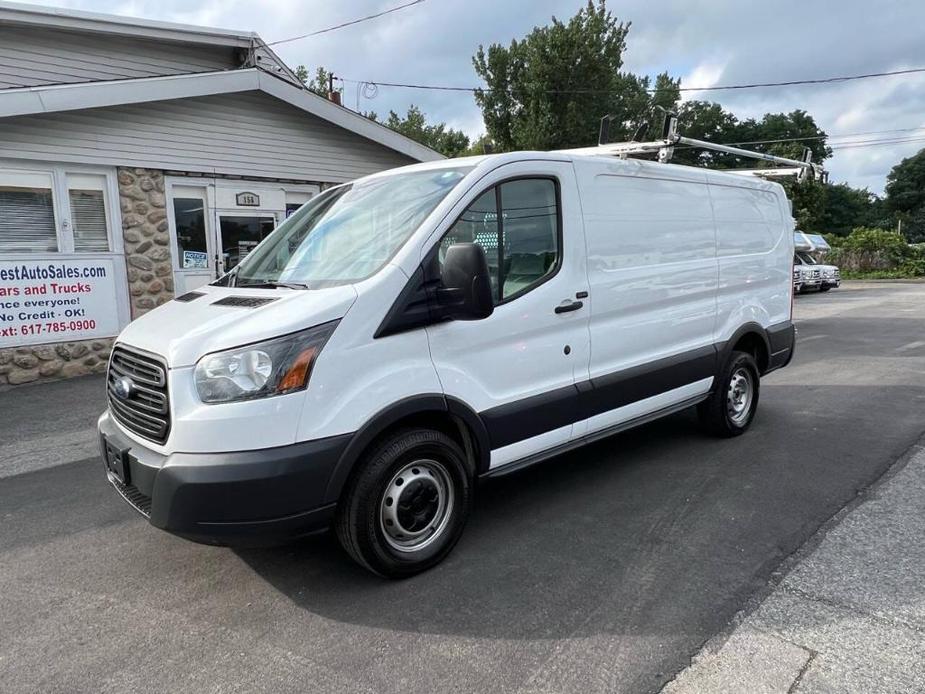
(714, 412)
(824, 289)
(430, 459)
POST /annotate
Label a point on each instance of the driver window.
(523, 247)
(478, 224)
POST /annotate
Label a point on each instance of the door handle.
(567, 306)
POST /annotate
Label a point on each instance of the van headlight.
(274, 367)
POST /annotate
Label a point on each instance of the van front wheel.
(405, 508)
(731, 406)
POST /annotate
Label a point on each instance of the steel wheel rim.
(739, 396)
(416, 505)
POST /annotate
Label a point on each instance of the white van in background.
(808, 272)
(404, 335)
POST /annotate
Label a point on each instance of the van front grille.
(137, 389)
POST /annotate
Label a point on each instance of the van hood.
(188, 327)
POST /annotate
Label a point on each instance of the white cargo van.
(405, 335)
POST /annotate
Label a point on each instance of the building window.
(87, 196)
(54, 210)
(27, 214)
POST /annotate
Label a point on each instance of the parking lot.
(602, 570)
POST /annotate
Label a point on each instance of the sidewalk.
(850, 614)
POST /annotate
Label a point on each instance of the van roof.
(631, 166)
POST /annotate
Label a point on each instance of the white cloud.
(703, 75)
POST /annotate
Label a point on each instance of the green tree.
(704, 120)
(319, 83)
(905, 195)
(550, 89)
(847, 208)
(437, 136)
(483, 144)
(797, 128)
(808, 201)
(905, 184)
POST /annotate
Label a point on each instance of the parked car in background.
(808, 272)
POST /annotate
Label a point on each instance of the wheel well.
(754, 344)
(444, 422)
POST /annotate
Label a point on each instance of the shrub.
(868, 250)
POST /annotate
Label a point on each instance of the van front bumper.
(241, 497)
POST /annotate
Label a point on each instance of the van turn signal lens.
(297, 375)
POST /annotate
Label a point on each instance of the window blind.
(88, 218)
(27, 220)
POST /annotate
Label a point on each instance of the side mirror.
(466, 290)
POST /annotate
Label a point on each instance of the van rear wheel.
(731, 406)
(407, 505)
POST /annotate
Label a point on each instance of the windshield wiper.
(271, 284)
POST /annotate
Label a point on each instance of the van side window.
(523, 249)
(478, 224)
(530, 229)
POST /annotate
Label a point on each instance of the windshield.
(348, 233)
(806, 258)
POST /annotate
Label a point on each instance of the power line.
(878, 143)
(755, 85)
(824, 80)
(347, 24)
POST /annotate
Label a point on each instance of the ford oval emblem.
(123, 387)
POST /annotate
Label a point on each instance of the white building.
(141, 159)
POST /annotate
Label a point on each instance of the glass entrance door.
(238, 235)
(192, 223)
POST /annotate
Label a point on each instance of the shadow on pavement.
(642, 533)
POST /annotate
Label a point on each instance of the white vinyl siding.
(31, 57)
(245, 134)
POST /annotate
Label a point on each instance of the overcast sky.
(706, 43)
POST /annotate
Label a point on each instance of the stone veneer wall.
(46, 362)
(147, 238)
(145, 232)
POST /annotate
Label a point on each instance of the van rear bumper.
(236, 498)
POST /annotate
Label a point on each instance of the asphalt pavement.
(846, 615)
(603, 570)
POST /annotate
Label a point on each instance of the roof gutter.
(76, 20)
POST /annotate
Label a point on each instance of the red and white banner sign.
(52, 300)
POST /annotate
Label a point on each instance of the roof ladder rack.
(664, 149)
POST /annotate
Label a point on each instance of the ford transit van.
(401, 337)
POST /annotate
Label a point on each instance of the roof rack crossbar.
(664, 148)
